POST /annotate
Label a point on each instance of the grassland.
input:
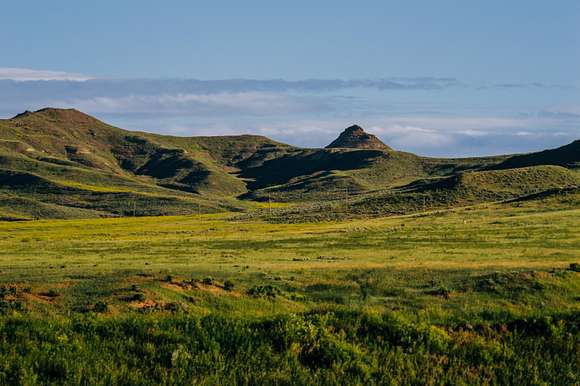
(478, 295)
(271, 264)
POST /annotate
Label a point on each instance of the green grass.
(326, 348)
(480, 295)
(474, 279)
(435, 193)
(393, 253)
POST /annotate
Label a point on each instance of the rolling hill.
(62, 163)
(568, 156)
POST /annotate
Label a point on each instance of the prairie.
(483, 294)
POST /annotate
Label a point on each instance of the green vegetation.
(321, 347)
(568, 155)
(480, 295)
(240, 260)
(60, 164)
(463, 189)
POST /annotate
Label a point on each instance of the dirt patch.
(180, 287)
(144, 305)
(211, 288)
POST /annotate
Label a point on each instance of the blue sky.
(433, 77)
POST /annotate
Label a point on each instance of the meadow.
(487, 294)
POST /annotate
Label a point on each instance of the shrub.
(264, 290)
(7, 291)
(51, 293)
(101, 307)
(6, 305)
(173, 307)
(138, 297)
(81, 309)
(228, 285)
(207, 280)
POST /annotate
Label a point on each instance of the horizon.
(443, 79)
(338, 134)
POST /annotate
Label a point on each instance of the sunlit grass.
(457, 295)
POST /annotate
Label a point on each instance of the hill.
(355, 137)
(70, 159)
(62, 163)
(424, 195)
(568, 156)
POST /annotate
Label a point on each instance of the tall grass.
(320, 347)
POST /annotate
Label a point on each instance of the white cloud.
(25, 74)
(257, 103)
(473, 133)
(404, 137)
(473, 123)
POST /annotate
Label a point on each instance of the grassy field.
(478, 295)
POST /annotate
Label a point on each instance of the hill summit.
(355, 137)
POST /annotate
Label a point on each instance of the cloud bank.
(427, 115)
(27, 75)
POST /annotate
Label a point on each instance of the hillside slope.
(568, 156)
(91, 165)
(62, 163)
(459, 190)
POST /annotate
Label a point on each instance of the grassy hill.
(76, 139)
(568, 156)
(459, 190)
(57, 163)
(68, 160)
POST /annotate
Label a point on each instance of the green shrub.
(52, 293)
(264, 291)
(138, 297)
(173, 307)
(11, 305)
(228, 285)
(101, 307)
(5, 291)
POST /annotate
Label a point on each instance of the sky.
(439, 78)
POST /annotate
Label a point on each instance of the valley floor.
(478, 295)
